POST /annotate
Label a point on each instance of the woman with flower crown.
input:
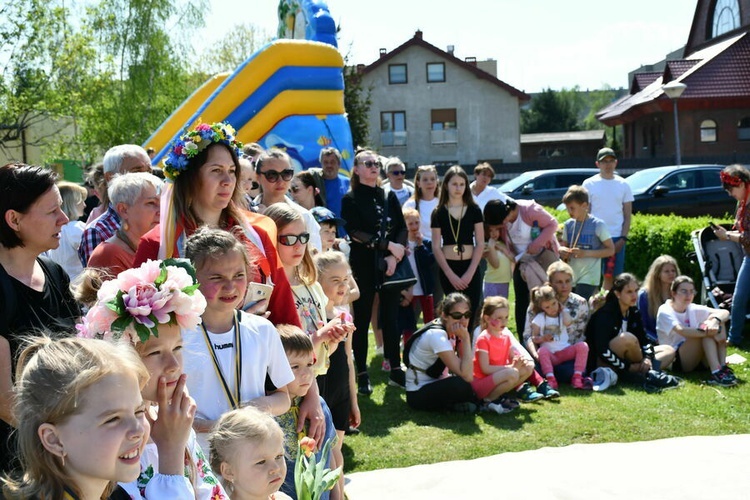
(203, 188)
(149, 306)
(736, 182)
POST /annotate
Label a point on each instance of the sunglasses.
(397, 172)
(458, 315)
(272, 176)
(370, 164)
(289, 240)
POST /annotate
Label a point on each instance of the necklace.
(233, 398)
(459, 249)
(124, 238)
(577, 236)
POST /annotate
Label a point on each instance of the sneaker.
(351, 431)
(582, 383)
(508, 403)
(386, 366)
(397, 378)
(528, 395)
(720, 378)
(363, 384)
(466, 408)
(729, 372)
(552, 381)
(498, 408)
(663, 380)
(546, 390)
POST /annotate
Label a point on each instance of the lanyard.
(232, 399)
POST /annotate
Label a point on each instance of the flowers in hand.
(136, 302)
(311, 478)
(195, 141)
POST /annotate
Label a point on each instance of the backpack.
(438, 367)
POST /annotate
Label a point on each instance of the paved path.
(696, 467)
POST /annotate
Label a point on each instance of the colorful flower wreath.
(139, 300)
(195, 141)
(730, 180)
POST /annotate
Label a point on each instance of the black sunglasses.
(289, 240)
(370, 164)
(398, 172)
(272, 176)
(458, 315)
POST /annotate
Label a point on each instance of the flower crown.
(730, 180)
(195, 141)
(139, 300)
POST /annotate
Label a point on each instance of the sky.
(538, 44)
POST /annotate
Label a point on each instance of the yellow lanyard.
(233, 399)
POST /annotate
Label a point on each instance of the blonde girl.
(498, 366)
(549, 333)
(172, 463)
(247, 448)
(656, 291)
(458, 237)
(309, 299)
(81, 419)
(425, 197)
(338, 386)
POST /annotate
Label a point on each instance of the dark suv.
(687, 190)
(546, 187)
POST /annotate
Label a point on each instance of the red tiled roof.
(675, 69)
(726, 75)
(643, 80)
(419, 42)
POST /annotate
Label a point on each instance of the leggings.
(441, 394)
(548, 360)
(474, 291)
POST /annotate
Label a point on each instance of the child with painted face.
(149, 306)
(81, 419)
(230, 353)
(549, 332)
(247, 448)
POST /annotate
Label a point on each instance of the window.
(708, 131)
(393, 128)
(397, 73)
(726, 17)
(443, 126)
(435, 72)
(743, 129)
(682, 180)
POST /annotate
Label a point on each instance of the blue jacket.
(425, 260)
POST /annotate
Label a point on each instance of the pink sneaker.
(580, 382)
(386, 366)
(552, 381)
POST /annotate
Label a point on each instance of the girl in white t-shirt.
(425, 197)
(549, 332)
(231, 352)
(696, 332)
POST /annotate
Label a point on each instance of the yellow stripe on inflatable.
(289, 103)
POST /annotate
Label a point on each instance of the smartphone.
(714, 225)
(255, 293)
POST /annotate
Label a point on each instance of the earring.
(125, 226)
(62, 458)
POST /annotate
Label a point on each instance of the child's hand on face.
(171, 429)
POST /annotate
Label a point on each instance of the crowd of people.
(181, 340)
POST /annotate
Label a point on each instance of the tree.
(551, 111)
(357, 102)
(232, 50)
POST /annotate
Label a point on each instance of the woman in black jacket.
(376, 226)
(617, 339)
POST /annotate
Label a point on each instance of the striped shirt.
(102, 229)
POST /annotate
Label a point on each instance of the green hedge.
(654, 235)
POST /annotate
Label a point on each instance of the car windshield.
(518, 182)
(640, 181)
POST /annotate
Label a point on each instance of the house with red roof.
(714, 107)
(430, 107)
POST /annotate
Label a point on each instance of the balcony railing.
(445, 136)
(390, 138)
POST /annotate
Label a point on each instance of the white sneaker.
(498, 408)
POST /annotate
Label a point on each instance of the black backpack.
(434, 370)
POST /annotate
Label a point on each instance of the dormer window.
(726, 17)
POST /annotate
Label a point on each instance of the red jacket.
(281, 304)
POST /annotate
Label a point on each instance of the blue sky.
(537, 43)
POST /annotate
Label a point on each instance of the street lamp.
(674, 90)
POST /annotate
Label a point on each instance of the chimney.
(471, 60)
(383, 52)
(418, 34)
(451, 48)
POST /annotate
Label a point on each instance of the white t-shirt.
(487, 194)
(262, 353)
(66, 254)
(402, 194)
(425, 215)
(555, 327)
(667, 319)
(423, 354)
(520, 234)
(606, 197)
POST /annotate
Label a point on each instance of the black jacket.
(604, 325)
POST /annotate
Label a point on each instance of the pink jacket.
(530, 211)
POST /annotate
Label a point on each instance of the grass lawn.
(394, 435)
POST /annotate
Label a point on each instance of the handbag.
(403, 277)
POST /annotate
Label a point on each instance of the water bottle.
(535, 231)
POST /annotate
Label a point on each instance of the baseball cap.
(322, 214)
(604, 378)
(604, 152)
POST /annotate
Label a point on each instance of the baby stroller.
(719, 262)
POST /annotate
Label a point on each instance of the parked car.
(687, 190)
(546, 187)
